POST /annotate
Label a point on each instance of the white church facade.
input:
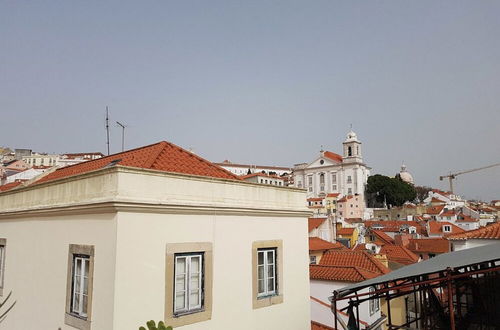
(333, 173)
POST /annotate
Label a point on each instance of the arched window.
(349, 151)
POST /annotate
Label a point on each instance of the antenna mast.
(107, 128)
(123, 134)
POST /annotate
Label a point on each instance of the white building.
(332, 173)
(36, 159)
(242, 169)
(155, 233)
(264, 179)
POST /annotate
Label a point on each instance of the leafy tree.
(393, 191)
(152, 326)
(422, 192)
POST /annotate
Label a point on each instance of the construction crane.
(452, 176)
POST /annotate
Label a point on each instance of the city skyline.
(263, 83)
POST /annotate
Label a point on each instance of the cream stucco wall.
(36, 268)
(130, 216)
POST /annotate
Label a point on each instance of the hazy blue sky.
(264, 82)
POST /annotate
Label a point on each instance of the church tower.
(352, 149)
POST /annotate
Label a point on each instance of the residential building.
(351, 206)
(75, 158)
(474, 238)
(427, 248)
(243, 169)
(318, 247)
(263, 178)
(437, 229)
(154, 233)
(39, 159)
(332, 173)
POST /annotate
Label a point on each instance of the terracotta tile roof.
(345, 198)
(317, 244)
(436, 227)
(361, 259)
(162, 156)
(10, 185)
(429, 245)
(489, 232)
(465, 218)
(434, 210)
(340, 273)
(319, 326)
(333, 156)
(437, 200)
(314, 199)
(353, 220)
(315, 223)
(332, 195)
(399, 254)
(345, 231)
(383, 236)
(447, 214)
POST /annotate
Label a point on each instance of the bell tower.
(352, 149)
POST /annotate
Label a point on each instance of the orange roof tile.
(361, 259)
(434, 210)
(333, 195)
(340, 273)
(318, 326)
(386, 239)
(314, 199)
(489, 232)
(315, 223)
(429, 245)
(317, 244)
(345, 231)
(333, 156)
(436, 227)
(399, 254)
(10, 185)
(162, 156)
(465, 218)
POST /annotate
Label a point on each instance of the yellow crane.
(452, 176)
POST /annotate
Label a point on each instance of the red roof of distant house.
(353, 220)
(333, 195)
(333, 156)
(443, 193)
(315, 223)
(361, 259)
(383, 236)
(10, 185)
(317, 244)
(447, 214)
(314, 199)
(489, 232)
(437, 200)
(345, 231)
(465, 218)
(429, 245)
(434, 210)
(436, 227)
(345, 198)
(340, 273)
(318, 326)
(399, 254)
(162, 156)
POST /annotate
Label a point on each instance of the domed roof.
(351, 136)
(405, 175)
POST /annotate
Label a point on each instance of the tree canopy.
(393, 191)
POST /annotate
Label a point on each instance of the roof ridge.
(154, 157)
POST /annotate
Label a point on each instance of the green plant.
(152, 326)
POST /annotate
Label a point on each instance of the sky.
(261, 82)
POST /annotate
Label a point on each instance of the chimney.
(402, 239)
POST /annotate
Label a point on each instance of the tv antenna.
(107, 128)
(123, 134)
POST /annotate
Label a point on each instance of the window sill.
(177, 320)
(265, 301)
(181, 314)
(76, 321)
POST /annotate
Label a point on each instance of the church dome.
(351, 136)
(405, 175)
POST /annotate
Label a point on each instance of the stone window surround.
(206, 312)
(3, 242)
(275, 299)
(70, 319)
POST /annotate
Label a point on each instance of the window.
(312, 260)
(299, 184)
(349, 191)
(322, 182)
(310, 182)
(79, 286)
(374, 303)
(267, 265)
(447, 228)
(349, 179)
(349, 151)
(3, 243)
(188, 282)
(334, 187)
(334, 178)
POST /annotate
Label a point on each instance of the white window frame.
(447, 228)
(264, 276)
(312, 260)
(79, 304)
(187, 289)
(374, 303)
